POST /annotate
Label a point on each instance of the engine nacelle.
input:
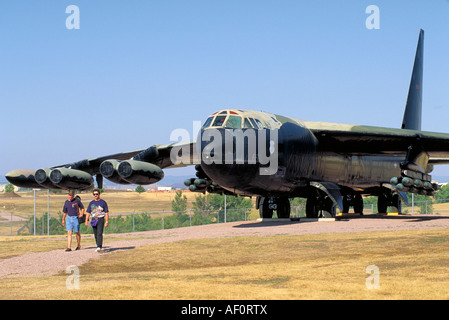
(23, 178)
(108, 169)
(139, 172)
(65, 178)
(42, 177)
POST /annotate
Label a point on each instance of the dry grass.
(412, 264)
(119, 202)
(18, 245)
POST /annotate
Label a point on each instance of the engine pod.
(108, 169)
(42, 177)
(23, 178)
(71, 179)
(139, 172)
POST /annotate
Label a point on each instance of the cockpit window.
(256, 123)
(247, 124)
(259, 124)
(253, 123)
(219, 120)
(234, 122)
(207, 123)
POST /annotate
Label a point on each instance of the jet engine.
(108, 169)
(42, 177)
(131, 172)
(65, 178)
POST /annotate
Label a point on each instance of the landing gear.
(353, 200)
(386, 200)
(267, 206)
(319, 205)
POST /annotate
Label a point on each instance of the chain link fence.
(42, 223)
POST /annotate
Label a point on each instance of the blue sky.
(137, 70)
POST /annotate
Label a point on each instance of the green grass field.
(412, 265)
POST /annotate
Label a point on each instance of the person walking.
(73, 208)
(99, 212)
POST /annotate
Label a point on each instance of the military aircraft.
(273, 157)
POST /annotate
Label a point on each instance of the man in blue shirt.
(99, 212)
(73, 208)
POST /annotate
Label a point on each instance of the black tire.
(396, 203)
(312, 208)
(358, 204)
(382, 203)
(283, 208)
(264, 211)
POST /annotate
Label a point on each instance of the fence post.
(34, 223)
(225, 209)
(48, 212)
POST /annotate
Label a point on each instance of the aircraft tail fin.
(413, 107)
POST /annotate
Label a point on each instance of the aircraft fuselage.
(281, 157)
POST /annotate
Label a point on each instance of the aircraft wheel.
(356, 201)
(312, 207)
(317, 206)
(264, 210)
(396, 203)
(329, 209)
(382, 203)
(283, 208)
(358, 204)
(346, 204)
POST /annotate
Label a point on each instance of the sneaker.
(78, 248)
(98, 249)
(68, 249)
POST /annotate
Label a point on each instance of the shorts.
(72, 224)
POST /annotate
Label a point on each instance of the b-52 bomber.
(274, 158)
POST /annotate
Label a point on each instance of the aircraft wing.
(368, 140)
(135, 167)
(157, 154)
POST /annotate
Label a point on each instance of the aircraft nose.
(235, 157)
